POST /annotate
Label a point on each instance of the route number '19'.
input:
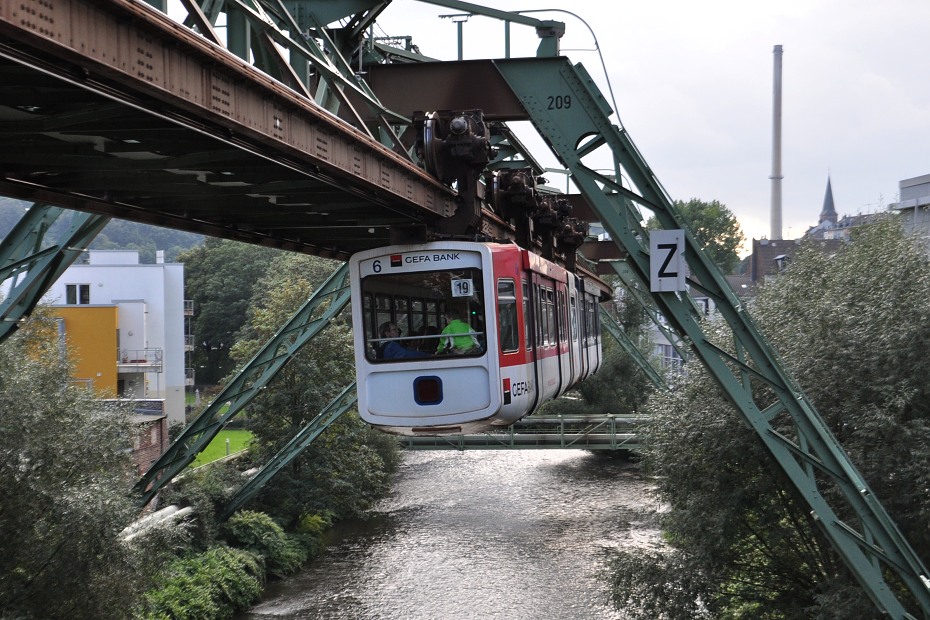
(667, 266)
(461, 288)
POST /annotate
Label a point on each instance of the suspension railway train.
(525, 331)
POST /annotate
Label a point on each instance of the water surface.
(480, 534)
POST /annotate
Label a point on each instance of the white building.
(914, 205)
(150, 322)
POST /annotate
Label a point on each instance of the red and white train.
(523, 331)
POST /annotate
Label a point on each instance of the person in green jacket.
(458, 338)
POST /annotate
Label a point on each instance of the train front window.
(424, 314)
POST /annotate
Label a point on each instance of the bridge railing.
(594, 432)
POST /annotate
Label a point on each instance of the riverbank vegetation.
(336, 477)
(853, 327)
(65, 477)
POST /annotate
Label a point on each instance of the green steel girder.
(640, 292)
(33, 264)
(613, 328)
(258, 31)
(339, 405)
(814, 456)
(314, 316)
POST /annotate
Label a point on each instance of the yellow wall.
(90, 333)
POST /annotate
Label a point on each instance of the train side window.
(507, 315)
(573, 311)
(550, 317)
(526, 315)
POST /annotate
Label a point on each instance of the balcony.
(188, 307)
(139, 360)
(188, 343)
(189, 377)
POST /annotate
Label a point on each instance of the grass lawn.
(217, 448)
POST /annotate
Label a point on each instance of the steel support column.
(32, 264)
(579, 128)
(322, 307)
(613, 328)
(640, 292)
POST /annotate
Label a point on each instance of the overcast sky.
(693, 85)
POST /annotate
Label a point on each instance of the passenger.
(458, 339)
(392, 349)
(429, 335)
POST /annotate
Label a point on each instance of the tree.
(64, 480)
(345, 468)
(219, 278)
(715, 229)
(853, 328)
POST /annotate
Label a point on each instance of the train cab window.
(507, 315)
(438, 314)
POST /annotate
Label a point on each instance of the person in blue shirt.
(391, 349)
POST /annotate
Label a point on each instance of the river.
(481, 535)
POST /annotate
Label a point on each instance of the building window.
(77, 294)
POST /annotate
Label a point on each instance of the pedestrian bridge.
(550, 432)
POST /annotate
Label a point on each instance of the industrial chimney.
(776, 148)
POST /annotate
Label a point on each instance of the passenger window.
(507, 315)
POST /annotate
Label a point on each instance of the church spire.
(829, 211)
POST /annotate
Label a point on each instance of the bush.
(311, 529)
(258, 533)
(206, 586)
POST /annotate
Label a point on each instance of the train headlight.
(427, 390)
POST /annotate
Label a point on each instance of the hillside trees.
(219, 278)
(853, 328)
(116, 235)
(64, 480)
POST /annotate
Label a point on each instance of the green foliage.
(208, 490)
(659, 586)
(206, 586)
(344, 469)
(258, 533)
(64, 476)
(853, 329)
(219, 278)
(715, 229)
(311, 530)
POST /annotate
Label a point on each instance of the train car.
(461, 337)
